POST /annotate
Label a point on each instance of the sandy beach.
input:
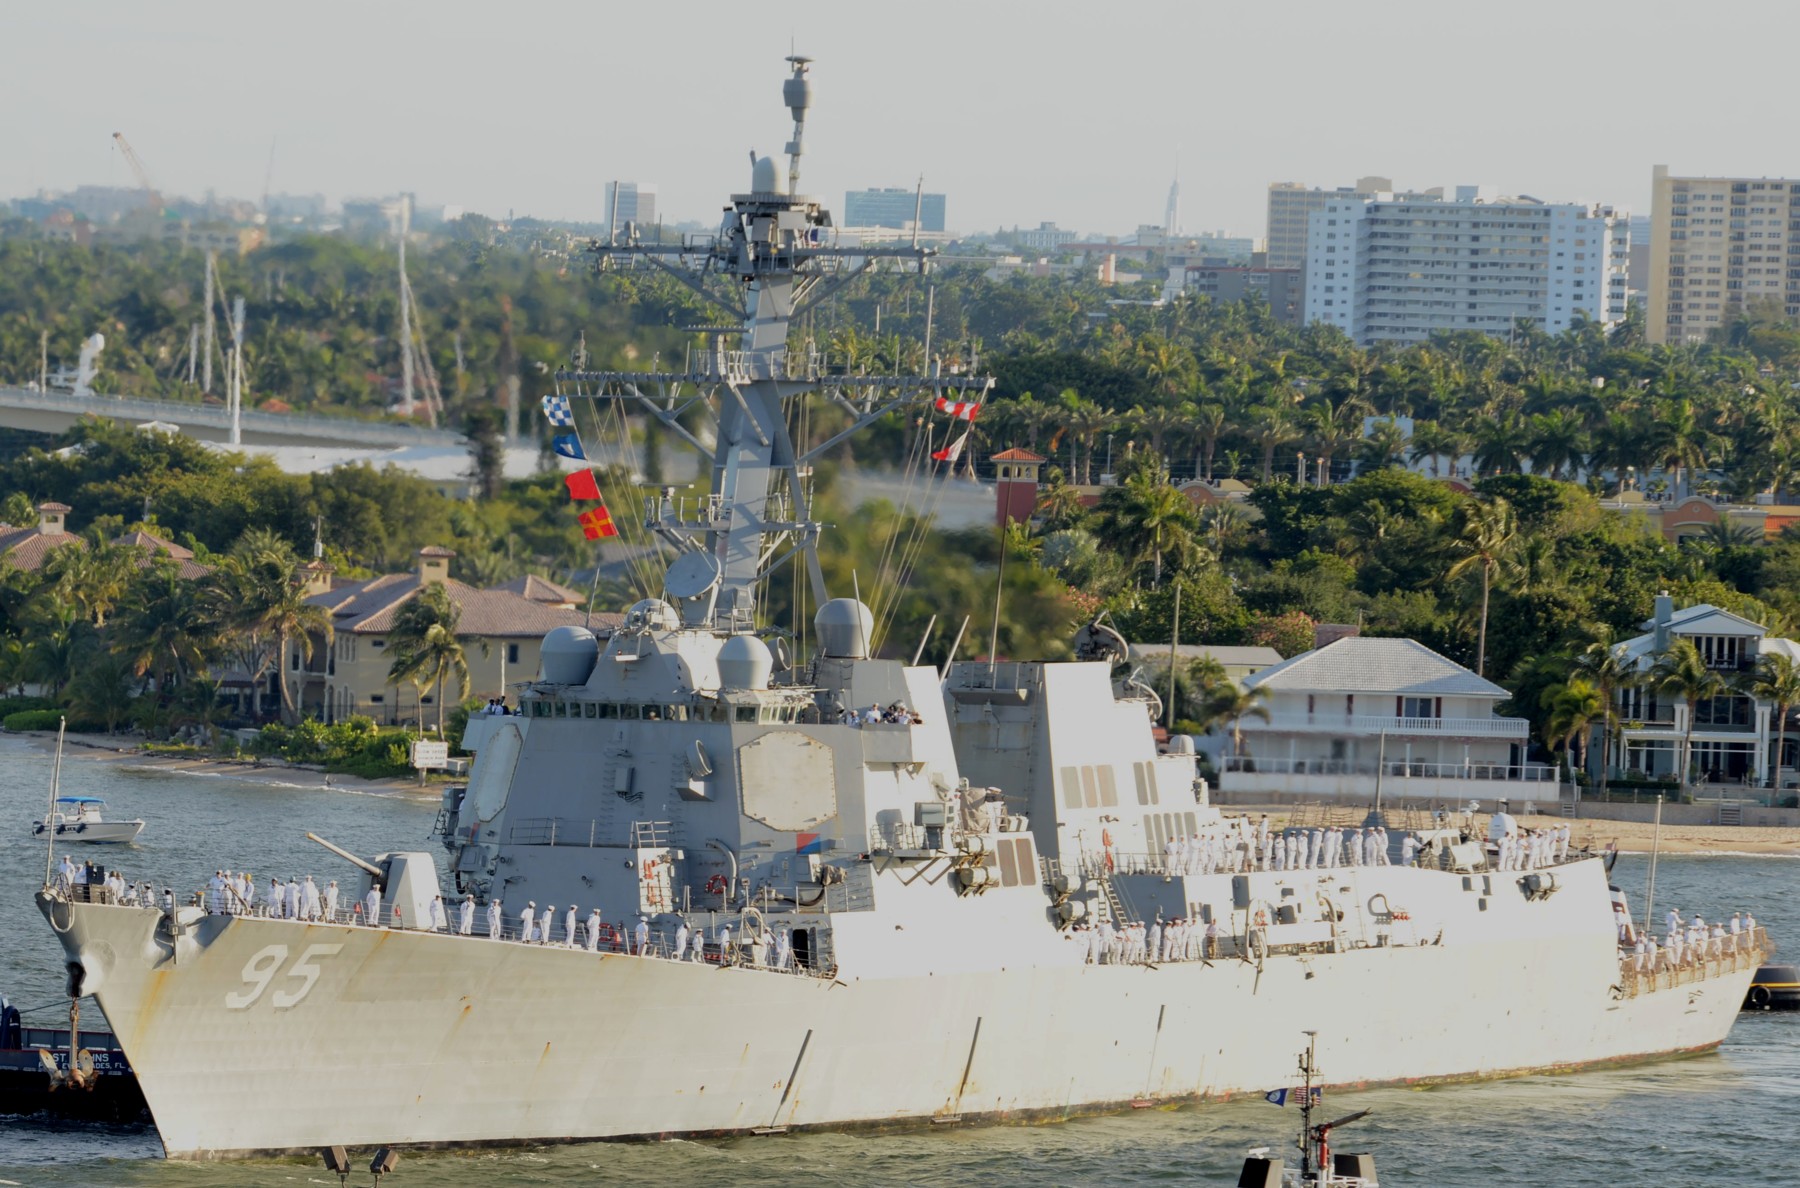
(1629, 836)
(101, 748)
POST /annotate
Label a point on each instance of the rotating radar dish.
(692, 583)
(693, 575)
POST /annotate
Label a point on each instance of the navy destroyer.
(771, 891)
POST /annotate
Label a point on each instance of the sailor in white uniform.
(681, 939)
(331, 901)
(465, 916)
(643, 936)
(527, 922)
(784, 950)
(371, 907)
(309, 899)
(436, 920)
(215, 893)
(291, 904)
(724, 944)
(570, 939)
(698, 945)
(496, 918)
(544, 919)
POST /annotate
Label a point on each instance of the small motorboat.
(1320, 1166)
(78, 819)
(1774, 988)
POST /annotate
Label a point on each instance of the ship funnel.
(844, 626)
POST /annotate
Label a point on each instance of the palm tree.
(1232, 704)
(1611, 671)
(1776, 680)
(1383, 446)
(1488, 534)
(1207, 426)
(426, 649)
(1573, 706)
(1150, 518)
(1681, 670)
(1271, 427)
(164, 636)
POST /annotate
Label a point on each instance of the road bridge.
(56, 412)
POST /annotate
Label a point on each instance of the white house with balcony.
(1339, 714)
(1734, 733)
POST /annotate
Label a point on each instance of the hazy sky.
(1020, 112)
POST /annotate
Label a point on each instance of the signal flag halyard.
(557, 409)
(951, 452)
(582, 484)
(962, 410)
(597, 522)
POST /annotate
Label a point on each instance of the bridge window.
(746, 713)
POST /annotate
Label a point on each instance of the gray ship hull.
(253, 1036)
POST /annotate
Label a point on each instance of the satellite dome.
(844, 626)
(652, 614)
(765, 177)
(745, 663)
(568, 655)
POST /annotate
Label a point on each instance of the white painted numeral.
(259, 971)
(307, 972)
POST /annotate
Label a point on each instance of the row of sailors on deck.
(233, 893)
(895, 714)
(1153, 943)
(70, 875)
(1243, 846)
(768, 949)
(1690, 944)
(1533, 848)
(1324, 849)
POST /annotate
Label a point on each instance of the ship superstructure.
(837, 890)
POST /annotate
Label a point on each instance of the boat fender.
(39, 828)
(1759, 997)
(81, 828)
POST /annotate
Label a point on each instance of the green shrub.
(13, 705)
(355, 746)
(33, 719)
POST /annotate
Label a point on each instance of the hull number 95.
(265, 969)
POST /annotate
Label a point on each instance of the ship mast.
(774, 257)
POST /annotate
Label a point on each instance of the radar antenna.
(775, 257)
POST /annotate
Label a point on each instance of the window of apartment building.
(1724, 711)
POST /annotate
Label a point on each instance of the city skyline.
(445, 102)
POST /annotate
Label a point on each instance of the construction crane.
(153, 198)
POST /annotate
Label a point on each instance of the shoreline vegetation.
(102, 748)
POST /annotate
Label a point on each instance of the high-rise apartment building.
(1292, 204)
(894, 208)
(630, 202)
(1398, 269)
(1718, 245)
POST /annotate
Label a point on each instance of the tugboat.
(1774, 988)
(1320, 1166)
